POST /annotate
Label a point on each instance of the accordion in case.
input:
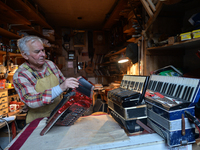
(126, 104)
(169, 100)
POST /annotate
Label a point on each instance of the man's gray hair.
(22, 43)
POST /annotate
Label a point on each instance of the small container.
(14, 107)
(2, 83)
(186, 36)
(8, 85)
(196, 33)
(2, 69)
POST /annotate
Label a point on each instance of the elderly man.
(38, 81)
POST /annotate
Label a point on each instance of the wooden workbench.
(91, 132)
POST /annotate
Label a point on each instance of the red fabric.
(13, 130)
(25, 134)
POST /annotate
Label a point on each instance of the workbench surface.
(91, 132)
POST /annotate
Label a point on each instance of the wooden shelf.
(130, 30)
(13, 95)
(8, 88)
(10, 16)
(134, 40)
(15, 54)
(20, 19)
(32, 31)
(2, 53)
(193, 43)
(25, 10)
(8, 34)
(116, 53)
(10, 74)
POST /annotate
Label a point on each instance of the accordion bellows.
(72, 106)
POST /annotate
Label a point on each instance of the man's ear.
(24, 55)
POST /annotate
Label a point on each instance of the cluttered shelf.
(123, 50)
(8, 14)
(179, 45)
(28, 11)
(32, 31)
(8, 34)
(10, 54)
(7, 88)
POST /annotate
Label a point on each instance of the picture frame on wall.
(71, 55)
(79, 38)
(70, 64)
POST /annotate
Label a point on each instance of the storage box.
(196, 33)
(168, 99)
(186, 36)
(171, 40)
(2, 83)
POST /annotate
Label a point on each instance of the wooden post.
(147, 8)
(151, 5)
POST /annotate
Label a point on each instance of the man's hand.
(69, 83)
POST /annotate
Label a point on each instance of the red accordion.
(72, 106)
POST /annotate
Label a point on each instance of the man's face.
(37, 54)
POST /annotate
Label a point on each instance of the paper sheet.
(87, 131)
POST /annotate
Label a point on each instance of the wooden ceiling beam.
(122, 4)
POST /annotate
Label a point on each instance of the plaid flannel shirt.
(24, 82)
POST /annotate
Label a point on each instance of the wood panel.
(8, 34)
(122, 4)
(27, 12)
(10, 16)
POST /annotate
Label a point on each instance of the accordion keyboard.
(177, 87)
(130, 86)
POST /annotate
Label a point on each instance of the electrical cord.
(7, 127)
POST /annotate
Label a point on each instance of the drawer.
(4, 105)
(3, 100)
(3, 111)
(3, 93)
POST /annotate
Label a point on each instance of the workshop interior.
(136, 62)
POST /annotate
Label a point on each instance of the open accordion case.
(162, 104)
(73, 105)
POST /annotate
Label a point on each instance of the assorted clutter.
(163, 103)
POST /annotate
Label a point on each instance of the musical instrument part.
(125, 102)
(167, 99)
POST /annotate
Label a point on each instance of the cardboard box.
(186, 36)
(171, 40)
(196, 33)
